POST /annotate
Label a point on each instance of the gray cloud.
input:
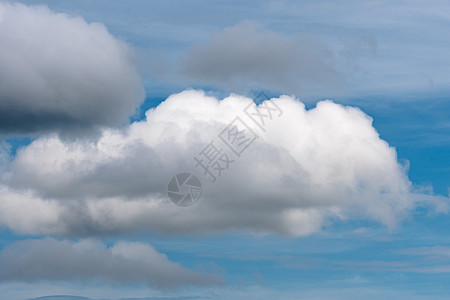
(61, 73)
(67, 297)
(398, 57)
(50, 259)
(245, 56)
(61, 297)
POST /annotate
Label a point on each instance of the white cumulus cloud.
(308, 168)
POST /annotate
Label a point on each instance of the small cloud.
(61, 297)
(124, 263)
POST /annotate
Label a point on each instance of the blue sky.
(96, 118)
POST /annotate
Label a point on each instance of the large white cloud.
(123, 262)
(59, 72)
(306, 169)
